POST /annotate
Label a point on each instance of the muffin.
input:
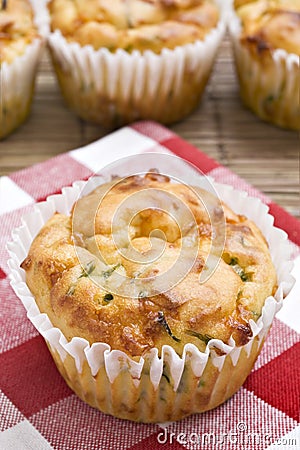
(134, 60)
(266, 39)
(133, 335)
(20, 48)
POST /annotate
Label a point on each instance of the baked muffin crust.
(268, 25)
(134, 24)
(17, 29)
(189, 312)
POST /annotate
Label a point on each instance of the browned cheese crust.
(268, 25)
(17, 29)
(189, 312)
(134, 24)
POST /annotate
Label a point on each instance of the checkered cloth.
(37, 409)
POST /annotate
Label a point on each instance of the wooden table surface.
(262, 154)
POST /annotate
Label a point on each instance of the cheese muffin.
(88, 273)
(267, 54)
(122, 61)
(20, 45)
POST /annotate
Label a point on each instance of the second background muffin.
(139, 60)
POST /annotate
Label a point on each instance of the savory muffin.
(20, 44)
(137, 59)
(92, 272)
(267, 53)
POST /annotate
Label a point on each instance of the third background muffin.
(266, 40)
(120, 61)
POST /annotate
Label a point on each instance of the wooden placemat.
(264, 155)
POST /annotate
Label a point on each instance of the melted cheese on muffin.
(134, 24)
(17, 29)
(189, 311)
(270, 24)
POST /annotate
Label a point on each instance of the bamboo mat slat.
(264, 155)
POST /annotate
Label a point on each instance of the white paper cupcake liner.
(271, 90)
(117, 88)
(18, 78)
(109, 379)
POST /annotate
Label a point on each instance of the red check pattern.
(39, 411)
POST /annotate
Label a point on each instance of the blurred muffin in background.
(266, 39)
(20, 47)
(117, 61)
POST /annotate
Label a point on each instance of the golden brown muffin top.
(270, 24)
(70, 282)
(133, 24)
(17, 29)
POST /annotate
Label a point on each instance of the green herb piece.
(233, 262)
(142, 294)
(203, 337)
(107, 273)
(129, 48)
(244, 242)
(108, 297)
(240, 294)
(244, 276)
(71, 289)
(270, 98)
(162, 320)
(166, 377)
(170, 94)
(237, 268)
(88, 269)
(201, 383)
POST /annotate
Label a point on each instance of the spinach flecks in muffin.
(238, 269)
(162, 320)
(166, 377)
(71, 289)
(107, 273)
(88, 269)
(108, 297)
(256, 314)
(129, 48)
(203, 337)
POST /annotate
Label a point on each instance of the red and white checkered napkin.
(37, 409)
